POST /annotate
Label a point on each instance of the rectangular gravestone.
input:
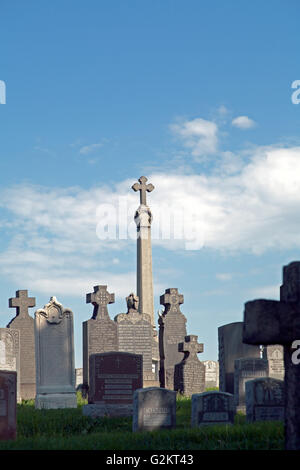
(25, 324)
(8, 404)
(172, 331)
(100, 332)
(231, 347)
(212, 408)
(113, 379)
(265, 400)
(154, 408)
(78, 378)
(54, 342)
(10, 353)
(274, 354)
(211, 374)
(135, 335)
(247, 369)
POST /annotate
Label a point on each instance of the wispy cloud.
(198, 135)
(243, 122)
(87, 149)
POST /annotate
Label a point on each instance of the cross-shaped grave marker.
(171, 300)
(143, 187)
(21, 302)
(269, 322)
(190, 347)
(100, 298)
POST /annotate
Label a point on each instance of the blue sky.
(195, 95)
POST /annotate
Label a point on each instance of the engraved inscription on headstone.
(212, 408)
(25, 324)
(8, 404)
(55, 371)
(211, 374)
(154, 408)
(274, 354)
(189, 375)
(10, 353)
(247, 369)
(172, 331)
(100, 332)
(265, 400)
(114, 376)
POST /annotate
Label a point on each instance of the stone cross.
(100, 298)
(143, 187)
(22, 302)
(278, 322)
(171, 300)
(190, 347)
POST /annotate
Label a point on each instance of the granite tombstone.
(212, 407)
(247, 369)
(265, 400)
(10, 353)
(211, 374)
(114, 376)
(154, 408)
(8, 404)
(25, 324)
(189, 374)
(55, 369)
(274, 355)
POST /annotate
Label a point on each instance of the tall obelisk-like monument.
(143, 219)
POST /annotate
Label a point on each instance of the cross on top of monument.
(171, 300)
(190, 347)
(100, 298)
(143, 187)
(21, 302)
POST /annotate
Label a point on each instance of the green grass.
(68, 429)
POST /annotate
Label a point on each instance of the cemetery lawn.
(68, 429)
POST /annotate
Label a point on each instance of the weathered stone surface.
(25, 324)
(100, 332)
(265, 400)
(278, 322)
(8, 404)
(247, 369)
(211, 374)
(113, 379)
(212, 408)
(10, 353)
(135, 335)
(78, 378)
(189, 374)
(154, 408)
(274, 355)
(172, 331)
(54, 342)
(231, 347)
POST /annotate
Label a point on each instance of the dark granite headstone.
(154, 408)
(114, 376)
(247, 369)
(265, 400)
(172, 331)
(8, 404)
(100, 332)
(10, 353)
(25, 324)
(231, 347)
(212, 408)
(189, 375)
(278, 322)
(135, 335)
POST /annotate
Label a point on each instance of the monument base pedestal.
(100, 410)
(56, 400)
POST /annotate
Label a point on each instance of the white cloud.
(243, 122)
(199, 135)
(224, 276)
(86, 149)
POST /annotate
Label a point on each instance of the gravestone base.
(101, 410)
(56, 400)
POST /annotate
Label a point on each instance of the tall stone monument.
(25, 324)
(172, 331)
(278, 322)
(55, 368)
(143, 219)
(100, 332)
